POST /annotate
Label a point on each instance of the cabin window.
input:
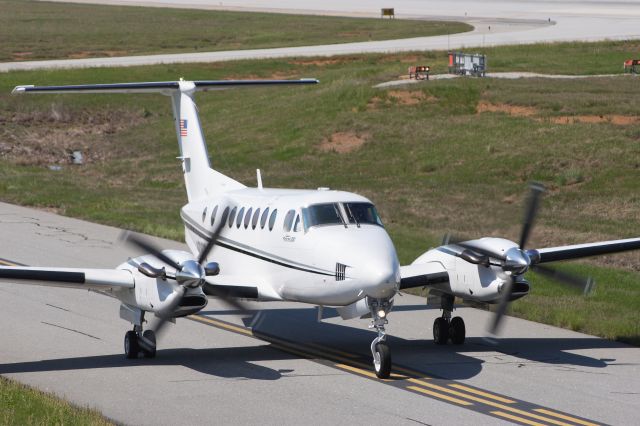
(232, 216)
(204, 214)
(296, 226)
(247, 218)
(288, 220)
(239, 218)
(254, 221)
(359, 213)
(225, 215)
(323, 214)
(272, 219)
(213, 215)
(263, 219)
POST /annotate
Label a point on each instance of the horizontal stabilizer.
(166, 87)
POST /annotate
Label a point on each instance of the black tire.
(131, 347)
(149, 352)
(382, 361)
(440, 331)
(457, 331)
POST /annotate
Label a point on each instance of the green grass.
(434, 167)
(21, 405)
(41, 30)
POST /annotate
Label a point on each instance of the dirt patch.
(317, 62)
(399, 97)
(21, 56)
(525, 111)
(404, 97)
(80, 55)
(50, 137)
(343, 142)
(514, 110)
(619, 120)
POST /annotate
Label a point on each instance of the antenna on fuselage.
(259, 178)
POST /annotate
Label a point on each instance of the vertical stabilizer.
(200, 180)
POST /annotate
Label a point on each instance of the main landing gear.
(379, 348)
(445, 327)
(136, 342)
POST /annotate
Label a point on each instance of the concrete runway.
(280, 366)
(496, 22)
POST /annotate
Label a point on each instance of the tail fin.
(200, 179)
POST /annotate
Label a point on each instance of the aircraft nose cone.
(381, 277)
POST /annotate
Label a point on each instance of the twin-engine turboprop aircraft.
(321, 247)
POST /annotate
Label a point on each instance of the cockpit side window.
(323, 214)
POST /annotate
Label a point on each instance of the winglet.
(20, 89)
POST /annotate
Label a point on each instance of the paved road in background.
(496, 22)
(279, 365)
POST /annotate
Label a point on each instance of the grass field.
(41, 30)
(22, 406)
(442, 156)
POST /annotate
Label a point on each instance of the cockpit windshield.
(360, 213)
(340, 214)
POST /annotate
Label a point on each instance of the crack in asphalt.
(58, 232)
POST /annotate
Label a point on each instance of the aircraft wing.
(94, 279)
(553, 254)
(423, 274)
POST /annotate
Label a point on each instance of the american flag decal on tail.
(183, 127)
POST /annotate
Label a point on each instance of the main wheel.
(382, 361)
(440, 331)
(149, 351)
(131, 347)
(457, 331)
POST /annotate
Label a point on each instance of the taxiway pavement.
(281, 366)
(496, 22)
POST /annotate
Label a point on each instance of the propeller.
(518, 261)
(188, 274)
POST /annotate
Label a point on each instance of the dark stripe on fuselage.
(201, 234)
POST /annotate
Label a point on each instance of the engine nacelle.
(472, 281)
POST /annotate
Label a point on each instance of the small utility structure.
(632, 66)
(467, 64)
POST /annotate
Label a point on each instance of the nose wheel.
(379, 348)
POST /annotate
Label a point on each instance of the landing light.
(381, 313)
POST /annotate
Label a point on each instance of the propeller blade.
(531, 210)
(210, 243)
(494, 328)
(146, 246)
(164, 318)
(585, 285)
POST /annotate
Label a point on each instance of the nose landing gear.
(379, 348)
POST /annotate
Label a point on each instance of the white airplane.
(321, 247)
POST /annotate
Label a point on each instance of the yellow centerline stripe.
(485, 394)
(336, 351)
(7, 263)
(562, 416)
(363, 370)
(516, 418)
(439, 395)
(487, 402)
